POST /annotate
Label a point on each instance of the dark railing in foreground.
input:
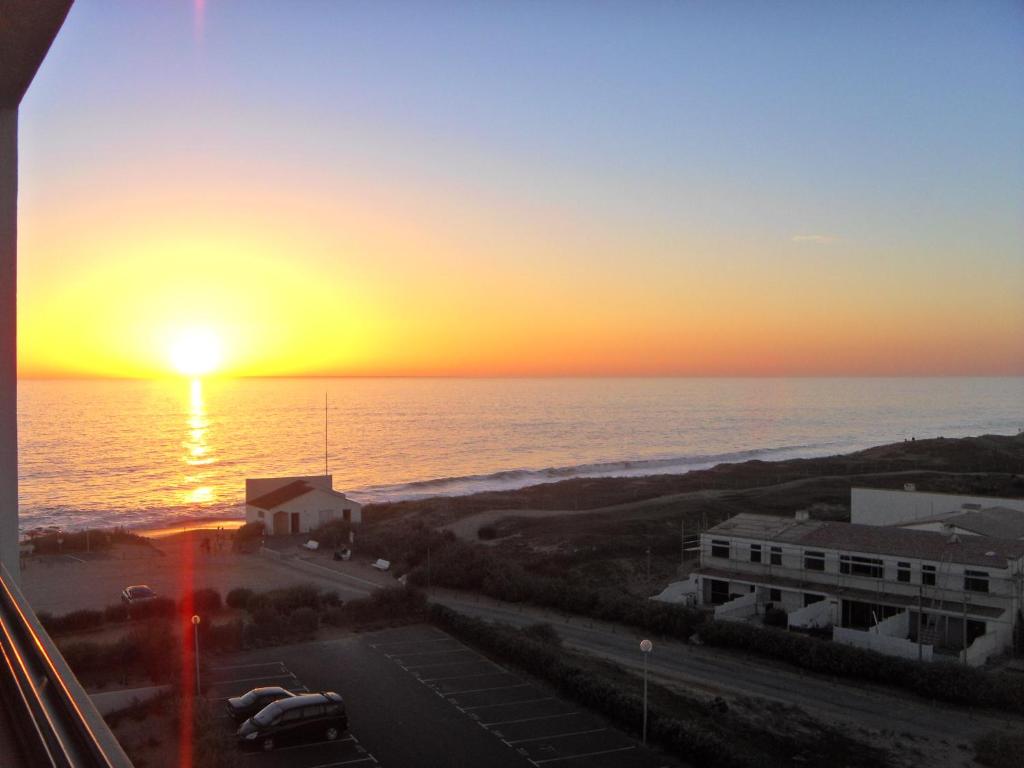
(49, 711)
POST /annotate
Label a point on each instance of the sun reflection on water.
(198, 453)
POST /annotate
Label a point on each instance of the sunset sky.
(527, 188)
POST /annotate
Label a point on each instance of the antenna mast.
(325, 435)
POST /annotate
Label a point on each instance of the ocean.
(157, 453)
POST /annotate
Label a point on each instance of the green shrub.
(944, 681)
(383, 605)
(999, 749)
(332, 534)
(239, 598)
(287, 599)
(201, 601)
(544, 633)
(249, 532)
(150, 650)
(225, 637)
(305, 621)
(459, 565)
(115, 613)
(76, 621)
(158, 607)
(487, 532)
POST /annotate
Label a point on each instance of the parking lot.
(418, 697)
(525, 716)
(235, 679)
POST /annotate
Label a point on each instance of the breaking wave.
(513, 479)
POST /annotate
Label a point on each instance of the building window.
(346, 514)
(776, 555)
(903, 572)
(854, 565)
(976, 581)
(810, 599)
(775, 595)
(928, 575)
(719, 548)
(814, 561)
(755, 553)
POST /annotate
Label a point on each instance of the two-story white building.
(898, 590)
(297, 504)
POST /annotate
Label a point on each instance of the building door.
(295, 522)
(280, 523)
(346, 515)
(719, 591)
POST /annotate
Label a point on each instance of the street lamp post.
(195, 631)
(646, 646)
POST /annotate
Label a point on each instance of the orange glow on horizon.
(298, 279)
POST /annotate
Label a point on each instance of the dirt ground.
(174, 565)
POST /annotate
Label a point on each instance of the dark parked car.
(137, 594)
(309, 717)
(241, 708)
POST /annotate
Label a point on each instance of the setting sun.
(196, 352)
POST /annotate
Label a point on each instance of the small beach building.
(287, 505)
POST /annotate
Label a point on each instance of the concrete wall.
(814, 616)
(983, 648)
(686, 592)
(895, 626)
(872, 506)
(890, 646)
(736, 610)
(309, 507)
(8, 340)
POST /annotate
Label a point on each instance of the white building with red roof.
(287, 505)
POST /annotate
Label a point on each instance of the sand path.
(468, 528)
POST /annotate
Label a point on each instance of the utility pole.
(645, 648)
(920, 647)
(682, 542)
(325, 435)
(195, 628)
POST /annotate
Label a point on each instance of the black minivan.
(309, 717)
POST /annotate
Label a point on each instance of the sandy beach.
(177, 563)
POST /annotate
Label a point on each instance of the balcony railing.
(47, 709)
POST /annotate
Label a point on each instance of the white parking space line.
(250, 679)
(247, 666)
(482, 690)
(346, 762)
(557, 736)
(460, 677)
(414, 642)
(307, 745)
(505, 703)
(431, 653)
(582, 754)
(528, 719)
(442, 663)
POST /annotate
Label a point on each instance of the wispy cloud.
(819, 239)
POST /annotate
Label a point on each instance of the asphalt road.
(714, 671)
(417, 697)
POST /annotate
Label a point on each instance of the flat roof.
(997, 522)
(982, 551)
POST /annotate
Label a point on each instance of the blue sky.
(840, 144)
